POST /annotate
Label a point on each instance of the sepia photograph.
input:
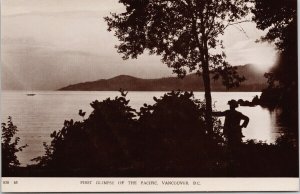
(149, 95)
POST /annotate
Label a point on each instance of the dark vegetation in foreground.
(167, 139)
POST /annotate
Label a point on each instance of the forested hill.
(254, 82)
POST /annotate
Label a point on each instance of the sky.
(49, 44)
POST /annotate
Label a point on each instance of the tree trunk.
(208, 101)
(205, 75)
(207, 87)
(207, 90)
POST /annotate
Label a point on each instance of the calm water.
(52, 108)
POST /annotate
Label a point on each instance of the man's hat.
(233, 103)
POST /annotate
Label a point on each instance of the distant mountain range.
(255, 81)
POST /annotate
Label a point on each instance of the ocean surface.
(39, 115)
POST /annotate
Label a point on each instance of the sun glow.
(263, 56)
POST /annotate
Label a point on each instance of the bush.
(10, 147)
(100, 142)
(173, 132)
(69, 149)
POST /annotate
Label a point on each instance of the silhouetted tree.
(279, 18)
(9, 146)
(184, 32)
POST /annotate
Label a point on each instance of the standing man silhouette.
(232, 127)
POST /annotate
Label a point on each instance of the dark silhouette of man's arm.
(246, 121)
(219, 114)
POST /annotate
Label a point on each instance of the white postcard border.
(26, 184)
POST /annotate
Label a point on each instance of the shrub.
(70, 148)
(99, 142)
(9, 146)
(174, 133)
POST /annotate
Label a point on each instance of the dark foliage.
(260, 159)
(9, 147)
(279, 17)
(174, 134)
(99, 142)
(166, 139)
(69, 149)
(115, 139)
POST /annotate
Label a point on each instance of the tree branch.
(234, 23)
(242, 30)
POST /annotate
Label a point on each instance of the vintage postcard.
(149, 95)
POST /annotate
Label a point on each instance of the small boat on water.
(30, 94)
